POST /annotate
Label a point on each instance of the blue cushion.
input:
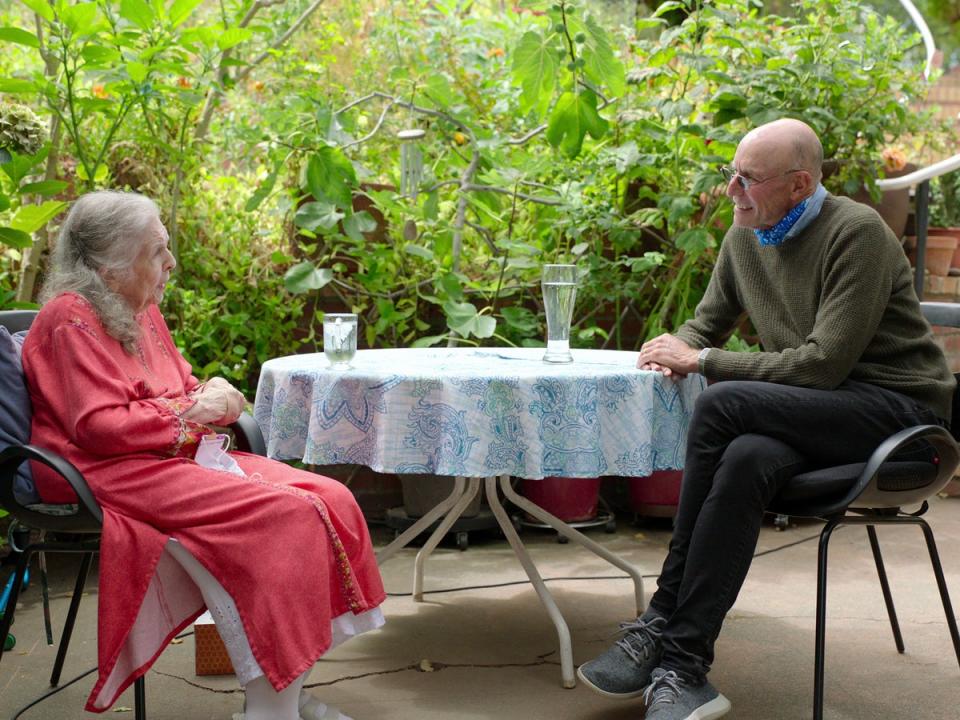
(15, 411)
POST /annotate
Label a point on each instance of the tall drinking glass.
(559, 285)
(339, 339)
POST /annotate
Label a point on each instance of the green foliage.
(227, 307)
(546, 137)
(945, 200)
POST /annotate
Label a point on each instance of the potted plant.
(945, 210)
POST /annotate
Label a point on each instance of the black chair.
(73, 528)
(904, 471)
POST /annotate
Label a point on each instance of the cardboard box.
(210, 655)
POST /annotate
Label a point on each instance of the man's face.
(770, 185)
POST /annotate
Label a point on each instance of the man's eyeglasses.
(748, 182)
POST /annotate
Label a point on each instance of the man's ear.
(802, 185)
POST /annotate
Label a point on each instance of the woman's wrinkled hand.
(217, 403)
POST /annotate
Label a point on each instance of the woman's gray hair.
(102, 235)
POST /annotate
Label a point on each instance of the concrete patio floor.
(489, 651)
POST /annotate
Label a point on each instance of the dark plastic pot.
(569, 499)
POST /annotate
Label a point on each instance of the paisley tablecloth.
(477, 412)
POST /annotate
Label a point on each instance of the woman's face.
(150, 271)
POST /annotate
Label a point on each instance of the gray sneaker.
(670, 697)
(624, 670)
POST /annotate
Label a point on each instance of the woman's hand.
(217, 403)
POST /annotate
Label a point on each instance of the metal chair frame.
(868, 504)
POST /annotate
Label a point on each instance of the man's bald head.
(789, 145)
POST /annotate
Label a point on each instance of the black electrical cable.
(64, 686)
(67, 684)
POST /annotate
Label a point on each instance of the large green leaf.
(44, 187)
(14, 86)
(137, 71)
(138, 12)
(14, 238)
(30, 218)
(359, 223)
(601, 65)
(318, 217)
(331, 178)
(180, 10)
(264, 189)
(535, 67)
(464, 319)
(232, 37)
(575, 115)
(41, 8)
(80, 18)
(305, 277)
(18, 36)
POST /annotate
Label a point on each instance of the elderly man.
(847, 360)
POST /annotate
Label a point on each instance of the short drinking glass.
(559, 285)
(340, 339)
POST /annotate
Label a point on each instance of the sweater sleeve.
(856, 278)
(719, 311)
(100, 408)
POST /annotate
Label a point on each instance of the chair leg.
(21, 569)
(821, 630)
(942, 586)
(140, 698)
(885, 587)
(71, 619)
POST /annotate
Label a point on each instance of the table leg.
(563, 632)
(423, 523)
(578, 537)
(473, 487)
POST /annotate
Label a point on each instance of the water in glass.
(559, 287)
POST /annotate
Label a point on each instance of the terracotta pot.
(894, 205)
(954, 232)
(939, 255)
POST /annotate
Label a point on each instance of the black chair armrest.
(249, 437)
(88, 510)
(865, 492)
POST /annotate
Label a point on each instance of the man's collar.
(795, 221)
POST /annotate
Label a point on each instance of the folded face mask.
(212, 453)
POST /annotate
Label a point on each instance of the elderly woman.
(281, 557)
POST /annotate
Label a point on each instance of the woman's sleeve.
(101, 409)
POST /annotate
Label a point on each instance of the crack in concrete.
(434, 666)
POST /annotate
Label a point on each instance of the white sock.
(313, 709)
(265, 703)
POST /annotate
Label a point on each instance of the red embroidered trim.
(188, 432)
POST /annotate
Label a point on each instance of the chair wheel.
(562, 539)
(781, 522)
(610, 527)
(462, 541)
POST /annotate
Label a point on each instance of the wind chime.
(411, 161)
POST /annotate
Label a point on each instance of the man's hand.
(670, 355)
(218, 403)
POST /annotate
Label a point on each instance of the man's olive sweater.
(836, 302)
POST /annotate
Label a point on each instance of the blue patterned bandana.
(778, 233)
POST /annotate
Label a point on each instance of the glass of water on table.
(559, 286)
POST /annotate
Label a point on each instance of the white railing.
(925, 33)
(922, 175)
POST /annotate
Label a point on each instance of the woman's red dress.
(291, 547)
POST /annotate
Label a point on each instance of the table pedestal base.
(459, 499)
